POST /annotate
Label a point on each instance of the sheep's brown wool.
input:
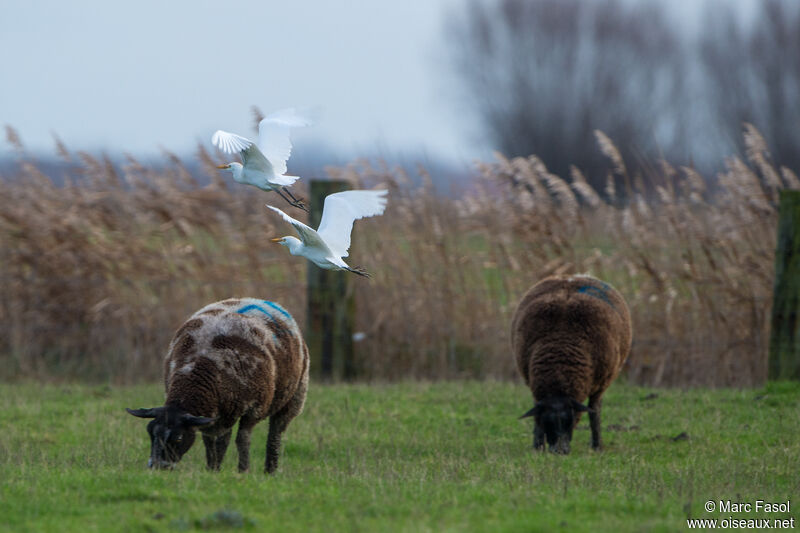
(570, 336)
(240, 359)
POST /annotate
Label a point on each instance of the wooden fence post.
(784, 339)
(330, 304)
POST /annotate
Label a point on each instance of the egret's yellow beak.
(223, 167)
(277, 240)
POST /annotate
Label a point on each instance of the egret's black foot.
(361, 271)
(300, 205)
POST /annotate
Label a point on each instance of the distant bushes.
(96, 274)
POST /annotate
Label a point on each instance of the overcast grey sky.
(134, 76)
(137, 76)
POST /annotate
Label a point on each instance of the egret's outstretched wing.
(307, 235)
(289, 117)
(252, 158)
(344, 208)
(230, 143)
(273, 136)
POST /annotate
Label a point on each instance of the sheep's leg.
(538, 438)
(215, 449)
(276, 428)
(211, 452)
(595, 402)
(278, 424)
(243, 442)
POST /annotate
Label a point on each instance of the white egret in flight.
(326, 246)
(264, 162)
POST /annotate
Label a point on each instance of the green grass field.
(406, 457)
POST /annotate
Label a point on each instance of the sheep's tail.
(361, 271)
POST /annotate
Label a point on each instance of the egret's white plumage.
(327, 245)
(264, 162)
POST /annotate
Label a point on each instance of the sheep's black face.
(168, 443)
(555, 418)
(172, 433)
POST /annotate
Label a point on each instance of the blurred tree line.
(542, 75)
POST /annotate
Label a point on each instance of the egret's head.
(231, 167)
(555, 418)
(292, 243)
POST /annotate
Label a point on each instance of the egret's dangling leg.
(289, 192)
(361, 271)
(293, 203)
(299, 203)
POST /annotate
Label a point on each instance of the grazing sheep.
(239, 359)
(570, 336)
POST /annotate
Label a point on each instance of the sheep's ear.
(579, 407)
(191, 420)
(532, 412)
(145, 413)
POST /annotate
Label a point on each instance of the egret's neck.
(295, 246)
(238, 171)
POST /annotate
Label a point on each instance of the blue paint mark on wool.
(272, 305)
(598, 292)
(276, 323)
(280, 309)
(253, 307)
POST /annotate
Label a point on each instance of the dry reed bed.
(96, 273)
